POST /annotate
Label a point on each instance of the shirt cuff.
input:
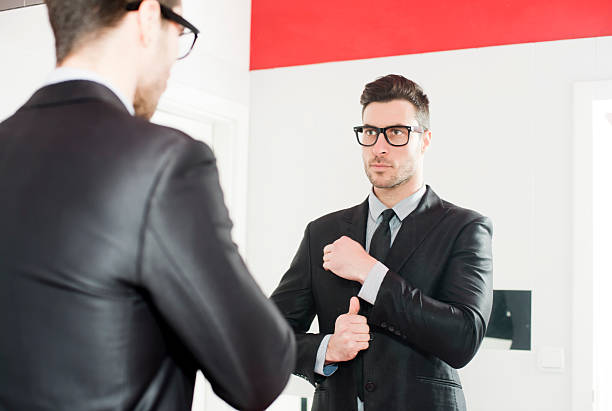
(371, 285)
(320, 367)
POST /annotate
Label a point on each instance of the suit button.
(391, 328)
(398, 333)
(370, 386)
(383, 324)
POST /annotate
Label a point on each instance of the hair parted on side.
(396, 87)
(75, 21)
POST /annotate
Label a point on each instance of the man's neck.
(391, 196)
(121, 79)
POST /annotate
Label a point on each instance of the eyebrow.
(394, 125)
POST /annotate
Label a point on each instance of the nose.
(381, 146)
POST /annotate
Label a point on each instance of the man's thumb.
(354, 306)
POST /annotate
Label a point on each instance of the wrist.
(368, 265)
(329, 353)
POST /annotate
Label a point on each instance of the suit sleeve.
(201, 286)
(294, 298)
(450, 326)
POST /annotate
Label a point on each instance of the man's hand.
(347, 259)
(351, 335)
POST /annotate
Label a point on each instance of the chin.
(145, 106)
(382, 182)
(379, 180)
(384, 186)
(145, 112)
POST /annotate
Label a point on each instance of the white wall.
(502, 129)
(218, 66)
(28, 55)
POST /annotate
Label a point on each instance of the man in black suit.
(401, 284)
(118, 275)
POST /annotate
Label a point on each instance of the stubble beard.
(146, 100)
(402, 176)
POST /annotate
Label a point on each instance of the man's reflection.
(401, 283)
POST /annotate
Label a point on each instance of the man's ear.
(425, 141)
(149, 21)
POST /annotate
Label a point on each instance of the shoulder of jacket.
(463, 214)
(143, 132)
(334, 216)
(147, 130)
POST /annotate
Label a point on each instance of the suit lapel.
(353, 225)
(355, 221)
(415, 229)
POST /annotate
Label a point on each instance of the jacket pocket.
(438, 381)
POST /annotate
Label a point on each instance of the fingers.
(348, 322)
(330, 247)
(352, 319)
(360, 329)
(354, 306)
(362, 338)
(355, 347)
(341, 348)
(327, 257)
(357, 319)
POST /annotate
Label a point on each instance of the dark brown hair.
(74, 21)
(396, 87)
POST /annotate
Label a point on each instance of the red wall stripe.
(288, 33)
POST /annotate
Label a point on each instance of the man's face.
(155, 80)
(390, 166)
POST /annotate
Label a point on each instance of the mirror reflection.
(519, 131)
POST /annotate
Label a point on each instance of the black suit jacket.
(428, 319)
(118, 275)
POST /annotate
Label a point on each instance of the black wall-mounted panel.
(511, 318)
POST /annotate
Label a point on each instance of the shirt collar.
(61, 74)
(402, 209)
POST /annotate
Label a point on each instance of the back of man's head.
(75, 22)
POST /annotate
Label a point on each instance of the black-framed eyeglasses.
(189, 35)
(395, 135)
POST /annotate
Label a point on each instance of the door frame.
(582, 265)
(230, 122)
